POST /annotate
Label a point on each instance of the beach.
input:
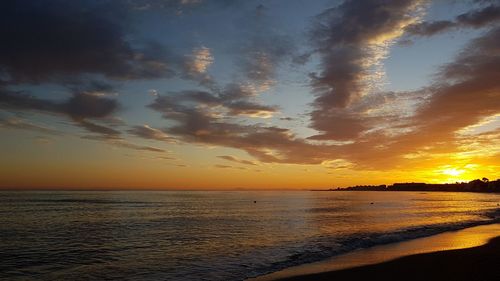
(468, 254)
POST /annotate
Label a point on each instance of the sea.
(212, 235)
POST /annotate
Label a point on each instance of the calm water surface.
(195, 235)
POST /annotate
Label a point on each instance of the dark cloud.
(21, 101)
(87, 105)
(176, 6)
(472, 19)
(235, 100)
(79, 107)
(337, 126)
(45, 41)
(98, 129)
(430, 28)
(480, 18)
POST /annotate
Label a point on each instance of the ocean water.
(198, 235)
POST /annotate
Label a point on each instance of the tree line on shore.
(477, 185)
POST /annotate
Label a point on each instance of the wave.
(326, 247)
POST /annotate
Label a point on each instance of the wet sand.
(456, 255)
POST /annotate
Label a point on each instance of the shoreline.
(463, 245)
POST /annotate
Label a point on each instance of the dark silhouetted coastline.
(483, 185)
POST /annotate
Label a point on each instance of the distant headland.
(478, 185)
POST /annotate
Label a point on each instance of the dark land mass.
(473, 186)
(478, 263)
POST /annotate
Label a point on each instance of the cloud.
(229, 167)
(429, 28)
(237, 160)
(223, 166)
(251, 109)
(195, 67)
(56, 40)
(178, 6)
(377, 130)
(120, 142)
(79, 107)
(263, 49)
(357, 126)
(98, 129)
(266, 143)
(123, 143)
(351, 40)
(89, 105)
(471, 91)
(147, 132)
(233, 101)
(337, 126)
(16, 123)
(472, 19)
(199, 61)
(466, 93)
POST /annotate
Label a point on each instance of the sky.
(219, 94)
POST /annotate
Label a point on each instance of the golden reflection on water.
(168, 235)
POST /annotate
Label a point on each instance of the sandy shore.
(457, 255)
(478, 263)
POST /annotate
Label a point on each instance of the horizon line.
(202, 189)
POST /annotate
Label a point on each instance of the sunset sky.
(200, 94)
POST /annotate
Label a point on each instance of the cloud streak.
(237, 160)
(472, 19)
(147, 132)
(17, 123)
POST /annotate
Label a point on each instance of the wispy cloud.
(472, 19)
(17, 123)
(237, 160)
(147, 132)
